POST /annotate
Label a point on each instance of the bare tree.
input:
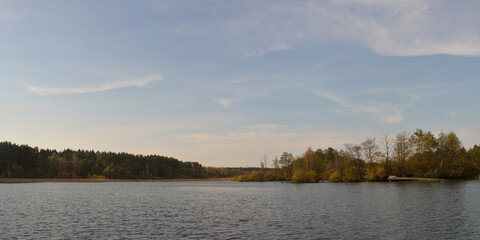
(276, 165)
(354, 150)
(388, 146)
(263, 162)
(370, 150)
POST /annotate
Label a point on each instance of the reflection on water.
(223, 210)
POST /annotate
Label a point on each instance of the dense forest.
(22, 161)
(420, 154)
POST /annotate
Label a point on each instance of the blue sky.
(225, 82)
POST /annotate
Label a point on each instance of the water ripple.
(230, 210)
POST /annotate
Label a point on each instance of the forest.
(418, 154)
(23, 161)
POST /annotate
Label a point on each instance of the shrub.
(243, 178)
(335, 176)
(299, 176)
(312, 176)
(269, 176)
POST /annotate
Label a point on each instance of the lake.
(232, 210)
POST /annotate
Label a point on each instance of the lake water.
(231, 210)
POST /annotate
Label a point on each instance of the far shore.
(401, 179)
(100, 180)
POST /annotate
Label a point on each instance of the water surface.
(231, 210)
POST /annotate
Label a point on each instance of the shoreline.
(100, 180)
(404, 179)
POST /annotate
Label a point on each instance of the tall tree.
(370, 150)
(402, 149)
(449, 148)
(387, 143)
(423, 141)
(286, 161)
(355, 152)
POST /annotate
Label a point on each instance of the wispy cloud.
(224, 102)
(416, 93)
(136, 82)
(268, 49)
(429, 88)
(407, 28)
(379, 111)
(398, 28)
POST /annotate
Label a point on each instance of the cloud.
(405, 28)
(224, 102)
(380, 112)
(390, 114)
(395, 28)
(398, 28)
(272, 48)
(409, 89)
(137, 82)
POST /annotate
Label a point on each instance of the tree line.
(23, 161)
(418, 154)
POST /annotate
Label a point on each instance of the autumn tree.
(354, 164)
(423, 141)
(449, 150)
(286, 161)
(402, 149)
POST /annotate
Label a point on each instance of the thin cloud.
(272, 48)
(137, 82)
(393, 28)
(224, 102)
(380, 112)
(429, 88)
(333, 98)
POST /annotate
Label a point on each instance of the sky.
(224, 83)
